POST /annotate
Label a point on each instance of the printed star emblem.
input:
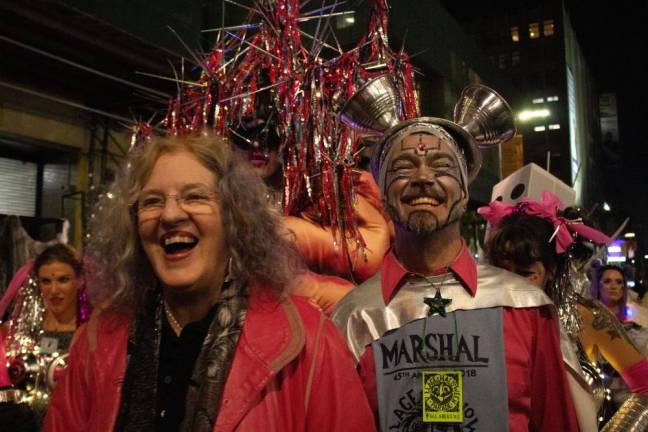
(437, 304)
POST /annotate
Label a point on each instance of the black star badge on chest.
(437, 304)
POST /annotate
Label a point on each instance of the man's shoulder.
(491, 277)
(505, 288)
(365, 295)
(359, 316)
(495, 287)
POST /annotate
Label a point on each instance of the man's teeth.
(424, 200)
(178, 239)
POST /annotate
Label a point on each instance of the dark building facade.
(534, 46)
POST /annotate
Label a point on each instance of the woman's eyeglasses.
(192, 201)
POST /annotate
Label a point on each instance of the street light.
(629, 235)
(606, 206)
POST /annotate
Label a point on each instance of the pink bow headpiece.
(564, 228)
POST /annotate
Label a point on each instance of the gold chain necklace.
(175, 325)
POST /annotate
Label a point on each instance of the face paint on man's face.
(424, 191)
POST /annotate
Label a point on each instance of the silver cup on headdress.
(374, 108)
(485, 115)
(482, 118)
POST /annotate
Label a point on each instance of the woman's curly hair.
(120, 272)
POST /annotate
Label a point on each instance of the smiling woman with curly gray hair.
(196, 331)
(250, 223)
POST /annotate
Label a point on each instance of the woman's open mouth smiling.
(178, 245)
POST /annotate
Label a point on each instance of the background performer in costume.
(533, 240)
(277, 94)
(50, 303)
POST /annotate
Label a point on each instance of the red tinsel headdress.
(307, 91)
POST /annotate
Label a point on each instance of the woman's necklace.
(175, 325)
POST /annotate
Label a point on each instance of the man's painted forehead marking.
(413, 141)
(425, 146)
(417, 144)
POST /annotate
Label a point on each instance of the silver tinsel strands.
(569, 316)
(565, 297)
(580, 282)
(36, 369)
(25, 325)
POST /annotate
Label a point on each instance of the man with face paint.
(442, 343)
(424, 186)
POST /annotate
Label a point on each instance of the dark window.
(502, 61)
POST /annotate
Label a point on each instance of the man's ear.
(464, 197)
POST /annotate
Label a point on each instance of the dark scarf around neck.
(137, 409)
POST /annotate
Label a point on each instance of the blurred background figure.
(610, 286)
(59, 277)
(534, 241)
(50, 303)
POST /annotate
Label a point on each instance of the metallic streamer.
(631, 417)
(307, 91)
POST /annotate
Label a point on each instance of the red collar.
(393, 272)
